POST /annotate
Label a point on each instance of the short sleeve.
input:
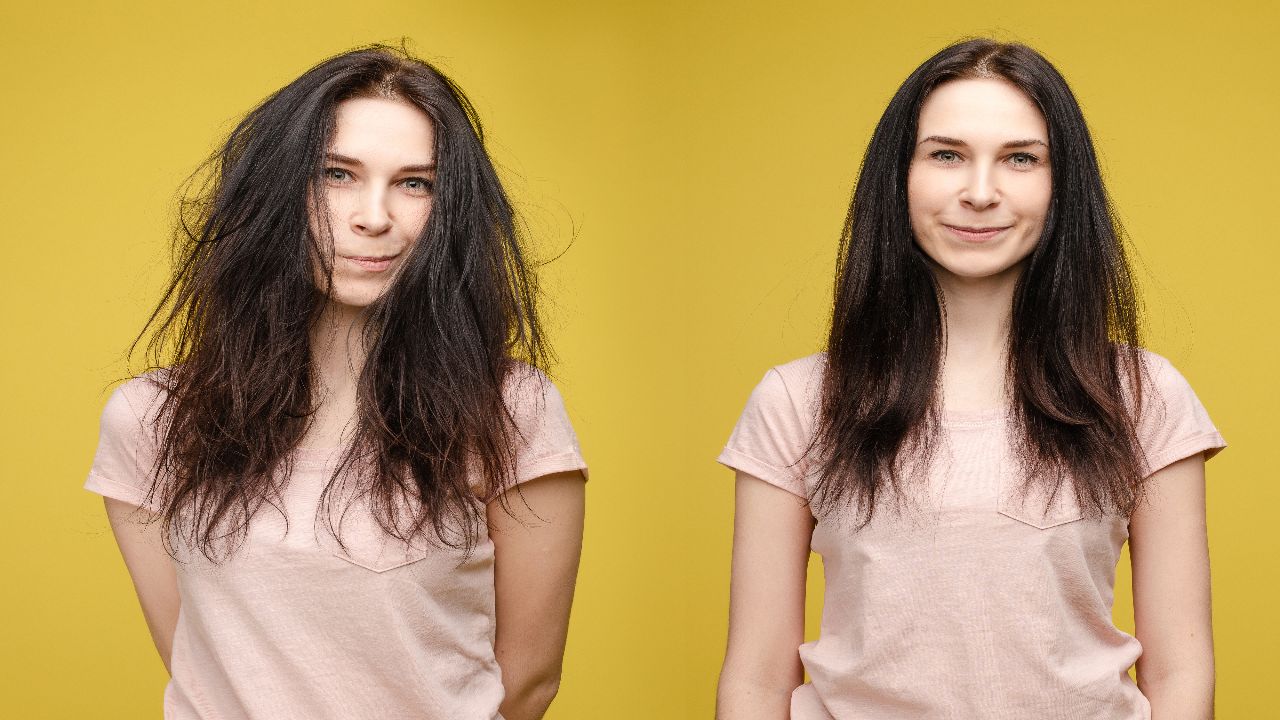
(770, 440)
(124, 461)
(545, 440)
(1173, 424)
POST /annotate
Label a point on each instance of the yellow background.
(699, 157)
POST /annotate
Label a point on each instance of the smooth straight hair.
(1074, 359)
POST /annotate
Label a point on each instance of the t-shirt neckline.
(986, 416)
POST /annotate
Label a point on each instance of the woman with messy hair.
(982, 435)
(346, 489)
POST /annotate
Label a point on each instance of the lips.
(976, 234)
(371, 263)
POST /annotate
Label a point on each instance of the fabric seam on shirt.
(1185, 449)
(560, 462)
(738, 460)
(106, 487)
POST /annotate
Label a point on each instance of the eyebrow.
(336, 157)
(960, 143)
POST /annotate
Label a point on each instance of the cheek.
(1034, 196)
(320, 247)
(1034, 210)
(1033, 207)
(324, 221)
(411, 215)
(417, 218)
(926, 195)
(914, 199)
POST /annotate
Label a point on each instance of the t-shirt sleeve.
(544, 437)
(124, 462)
(1173, 424)
(769, 441)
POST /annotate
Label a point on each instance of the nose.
(980, 191)
(370, 216)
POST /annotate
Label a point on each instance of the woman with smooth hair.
(345, 489)
(980, 438)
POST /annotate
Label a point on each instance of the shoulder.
(803, 372)
(795, 385)
(528, 390)
(545, 441)
(135, 403)
(1162, 382)
(1156, 367)
(786, 399)
(771, 438)
(1172, 423)
(534, 404)
(128, 441)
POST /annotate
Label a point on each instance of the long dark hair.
(233, 329)
(1074, 360)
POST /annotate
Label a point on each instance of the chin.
(980, 271)
(965, 265)
(353, 300)
(976, 263)
(356, 294)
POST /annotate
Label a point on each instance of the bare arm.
(771, 534)
(536, 556)
(1170, 556)
(151, 569)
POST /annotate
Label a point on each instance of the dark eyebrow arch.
(423, 168)
(960, 143)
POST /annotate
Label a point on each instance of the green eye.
(336, 174)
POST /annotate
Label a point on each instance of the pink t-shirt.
(292, 626)
(972, 601)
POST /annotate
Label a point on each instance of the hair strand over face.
(433, 438)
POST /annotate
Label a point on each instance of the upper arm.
(537, 541)
(122, 472)
(1168, 544)
(137, 533)
(1169, 550)
(772, 529)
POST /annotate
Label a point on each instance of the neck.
(978, 312)
(338, 342)
(978, 316)
(337, 356)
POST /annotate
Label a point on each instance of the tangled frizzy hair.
(433, 435)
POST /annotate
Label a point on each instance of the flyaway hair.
(433, 436)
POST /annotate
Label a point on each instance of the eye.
(945, 156)
(1023, 160)
(337, 175)
(418, 185)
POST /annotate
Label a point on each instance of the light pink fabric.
(972, 601)
(293, 626)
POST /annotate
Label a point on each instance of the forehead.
(980, 109)
(380, 127)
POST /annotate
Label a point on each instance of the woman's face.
(979, 184)
(379, 175)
